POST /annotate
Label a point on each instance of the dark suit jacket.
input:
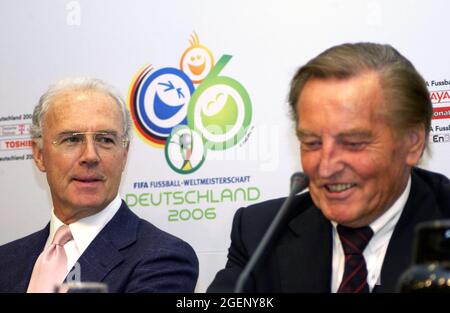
(300, 258)
(129, 255)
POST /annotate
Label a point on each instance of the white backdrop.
(43, 41)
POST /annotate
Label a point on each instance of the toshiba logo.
(17, 144)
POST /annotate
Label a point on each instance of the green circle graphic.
(221, 121)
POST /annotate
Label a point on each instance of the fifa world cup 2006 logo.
(191, 110)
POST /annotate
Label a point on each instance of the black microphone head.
(299, 181)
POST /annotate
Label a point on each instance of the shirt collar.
(384, 225)
(86, 229)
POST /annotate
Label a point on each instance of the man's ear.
(37, 155)
(415, 141)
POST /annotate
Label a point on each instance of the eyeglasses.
(73, 142)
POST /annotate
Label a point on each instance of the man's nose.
(330, 162)
(89, 154)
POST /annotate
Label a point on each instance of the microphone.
(299, 182)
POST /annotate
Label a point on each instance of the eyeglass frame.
(124, 140)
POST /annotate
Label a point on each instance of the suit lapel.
(420, 207)
(29, 254)
(304, 255)
(97, 261)
(103, 254)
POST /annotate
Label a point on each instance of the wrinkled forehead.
(83, 110)
(361, 92)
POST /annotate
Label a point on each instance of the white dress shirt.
(374, 253)
(83, 231)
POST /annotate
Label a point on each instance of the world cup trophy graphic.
(186, 146)
(184, 150)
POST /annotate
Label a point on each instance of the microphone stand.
(299, 181)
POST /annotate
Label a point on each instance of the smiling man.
(81, 134)
(362, 115)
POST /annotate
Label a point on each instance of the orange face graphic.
(197, 61)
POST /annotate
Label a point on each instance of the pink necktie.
(51, 266)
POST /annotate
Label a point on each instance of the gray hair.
(405, 92)
(77, 83)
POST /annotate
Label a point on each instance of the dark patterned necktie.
(354, 241)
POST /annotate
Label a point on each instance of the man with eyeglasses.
(81, 135)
